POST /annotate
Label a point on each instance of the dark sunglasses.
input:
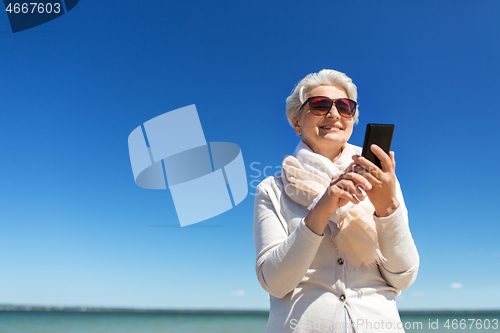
(321, 106)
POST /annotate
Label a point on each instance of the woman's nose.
(333, 113)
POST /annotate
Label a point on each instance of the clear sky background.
(75, 230)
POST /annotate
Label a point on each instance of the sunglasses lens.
(346, 107)
(320, 105)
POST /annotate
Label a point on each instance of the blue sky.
(76, 230)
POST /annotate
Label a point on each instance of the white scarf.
(309, 174)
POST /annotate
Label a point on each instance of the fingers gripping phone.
(381, 135)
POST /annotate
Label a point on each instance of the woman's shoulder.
(271, 183)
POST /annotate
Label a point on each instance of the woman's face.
(325, 135)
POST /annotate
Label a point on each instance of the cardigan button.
(340, 261)
(342, 298)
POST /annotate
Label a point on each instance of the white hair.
(325, 77)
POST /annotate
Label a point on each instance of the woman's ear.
(297, 128)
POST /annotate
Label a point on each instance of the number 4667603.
(34, 7)
(473, 323)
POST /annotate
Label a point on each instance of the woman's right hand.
(347, 187)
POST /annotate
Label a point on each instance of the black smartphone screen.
(379, 134)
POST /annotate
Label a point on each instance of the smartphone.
(381, 135)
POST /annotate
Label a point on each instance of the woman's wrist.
(387, 210)
(317, 219)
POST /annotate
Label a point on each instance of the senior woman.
(331, 231)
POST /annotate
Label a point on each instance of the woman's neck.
(333, 156)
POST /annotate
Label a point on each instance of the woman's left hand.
(383, 192)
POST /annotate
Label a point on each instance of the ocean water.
(100, 322)
(105, 322)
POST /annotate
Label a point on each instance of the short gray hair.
(325, 77)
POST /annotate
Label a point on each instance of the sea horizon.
(110, 309)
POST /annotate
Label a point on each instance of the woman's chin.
(334, 138)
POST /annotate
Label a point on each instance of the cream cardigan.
(308, 280)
